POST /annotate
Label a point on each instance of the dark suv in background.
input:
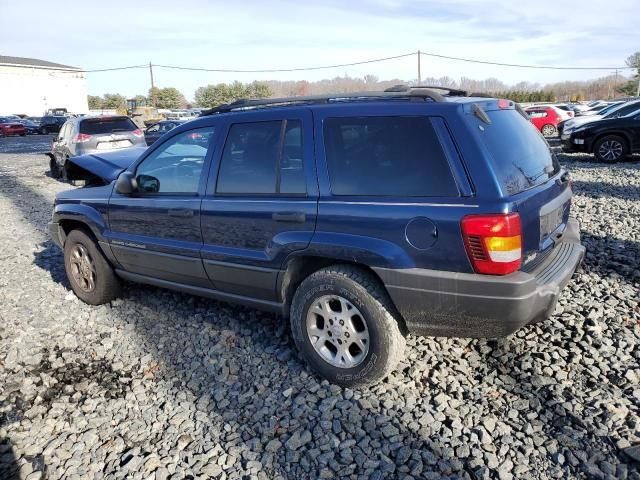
(51, 124)
(362, 217)
(84, 135)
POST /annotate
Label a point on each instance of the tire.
(610, 149)
(23, 134)
(371, 319)
(43, 130)
(54, 168)
(94, 282)
(63, 172)
(549, 130)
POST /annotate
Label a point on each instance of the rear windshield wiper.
(479, 112)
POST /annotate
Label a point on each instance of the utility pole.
(419, 72)
(153, 87)
(615, 85)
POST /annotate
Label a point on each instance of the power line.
(115, 68)
(275, 70)
(351, 64)
(516, 64)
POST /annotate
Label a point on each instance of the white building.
(30, 86)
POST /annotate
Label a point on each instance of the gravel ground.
(165, 385)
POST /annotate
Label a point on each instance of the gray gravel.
(164, 385)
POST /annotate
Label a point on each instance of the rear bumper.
(481, 306)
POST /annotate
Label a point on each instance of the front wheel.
(43, 130)
(343, 324)
(90, 275)
(610, 149)
(549, 130)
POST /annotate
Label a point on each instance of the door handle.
(291, 217)
(180, 212)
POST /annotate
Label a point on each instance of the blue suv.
(362, 217)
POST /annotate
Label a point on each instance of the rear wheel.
(343, 324)
(610, 149)
(549, 130)
(54, 168)
(90, 275)
(43, 130)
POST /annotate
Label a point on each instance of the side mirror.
(126, 183)
(148, 184)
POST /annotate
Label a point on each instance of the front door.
(156, 231)
(262, 204)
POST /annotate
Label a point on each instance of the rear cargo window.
(521, 156)
(107, 125)
(386, 156)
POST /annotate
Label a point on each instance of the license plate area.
(110, 145)
(552, 225)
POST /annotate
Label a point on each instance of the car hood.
(107, 165)
(574, 122)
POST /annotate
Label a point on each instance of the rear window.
(521, 156)
(107, 125)
(386, 156)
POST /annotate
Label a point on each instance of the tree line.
(606, 87)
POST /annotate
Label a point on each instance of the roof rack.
(454, 92)
(403, 92)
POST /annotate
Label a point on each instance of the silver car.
(79, 136)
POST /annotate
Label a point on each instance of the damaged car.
(88, 135)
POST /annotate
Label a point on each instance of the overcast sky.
(280, 34)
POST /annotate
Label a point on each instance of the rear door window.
(386, 156)
(101, 126)
(521, 156)
(263, 158)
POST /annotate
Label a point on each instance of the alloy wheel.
(83, 268)
(337, 331)
(548, 130)
(610, 150)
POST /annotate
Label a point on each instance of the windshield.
(622, 110)
(521, 156)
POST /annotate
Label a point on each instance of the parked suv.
(84, 135)
(609, 139)
(51, 124)
(362, 217)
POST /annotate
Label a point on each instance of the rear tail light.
(82, 137)
(493, 242)
(138, 133)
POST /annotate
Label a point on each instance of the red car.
(11, 127)
(545, 119)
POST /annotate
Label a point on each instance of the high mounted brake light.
(493, 242)
(504, 104)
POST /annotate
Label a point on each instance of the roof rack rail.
(248, 104)
(454, 92)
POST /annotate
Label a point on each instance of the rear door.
(261, 201)
(529, 176)
(61, 144)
